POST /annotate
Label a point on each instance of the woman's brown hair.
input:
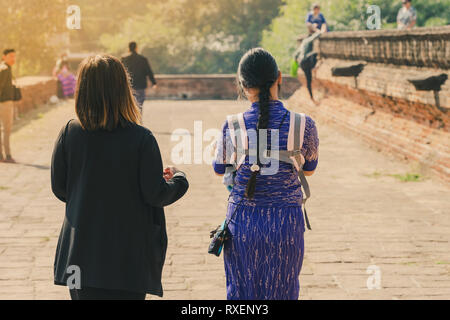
(103, 96)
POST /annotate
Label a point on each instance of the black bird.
(348, 71)
(432, 83)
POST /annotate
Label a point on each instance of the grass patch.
(374, 174)
(407, 177)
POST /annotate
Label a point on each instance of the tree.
(195, 36)
(280, 37)
(29, 27)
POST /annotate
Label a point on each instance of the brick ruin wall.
(207, 87)
(381, 106)
(38, 90)
(35, 92)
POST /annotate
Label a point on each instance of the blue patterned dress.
(264, 257)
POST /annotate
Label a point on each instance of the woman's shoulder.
(140, 129)
(140, 132)
(308, 119)
(74, 125)
(145, 134)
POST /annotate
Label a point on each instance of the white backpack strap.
(295, 139)
(232, 137)
(238, 134)
(301, 135)
(295, 143)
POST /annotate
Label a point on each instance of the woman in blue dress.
(264, 256)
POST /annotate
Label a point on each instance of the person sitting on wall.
(315, 20)
(407, 16)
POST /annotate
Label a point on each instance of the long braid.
(258, 70)
(263, 122)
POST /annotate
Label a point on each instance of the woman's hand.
(169, 172)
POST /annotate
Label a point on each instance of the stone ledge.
(35, 91)
(207, 86)
(385, 33)
(420, 47)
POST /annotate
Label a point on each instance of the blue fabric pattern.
(264, 257)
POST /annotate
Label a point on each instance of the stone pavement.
(362, 217)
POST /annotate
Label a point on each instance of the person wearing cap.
(407, 16)
(315, 20)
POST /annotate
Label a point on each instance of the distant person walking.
(108, 170)
(407, 16)
(315, 20)
(7, 97)
(67, 81)
(141, 73)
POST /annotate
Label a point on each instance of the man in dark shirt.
(6, 102)
(140, 71)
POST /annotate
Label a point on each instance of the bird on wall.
(431, 83)
(348, 71)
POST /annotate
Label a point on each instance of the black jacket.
(114, 228)
(6, 85)
(139, 69)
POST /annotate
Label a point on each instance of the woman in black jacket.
(108, 170)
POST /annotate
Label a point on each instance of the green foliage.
(408, 177)
(30, 27)
(436, 22)
(280, 36)
(195, 36)
(431, 9)
(184, 36)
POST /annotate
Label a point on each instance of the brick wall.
(206, 87)
(385, 87)
(382, 107)
(35, 91)
(405, 139)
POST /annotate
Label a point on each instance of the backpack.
(239, 138)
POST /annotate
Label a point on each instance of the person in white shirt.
(407, 16)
